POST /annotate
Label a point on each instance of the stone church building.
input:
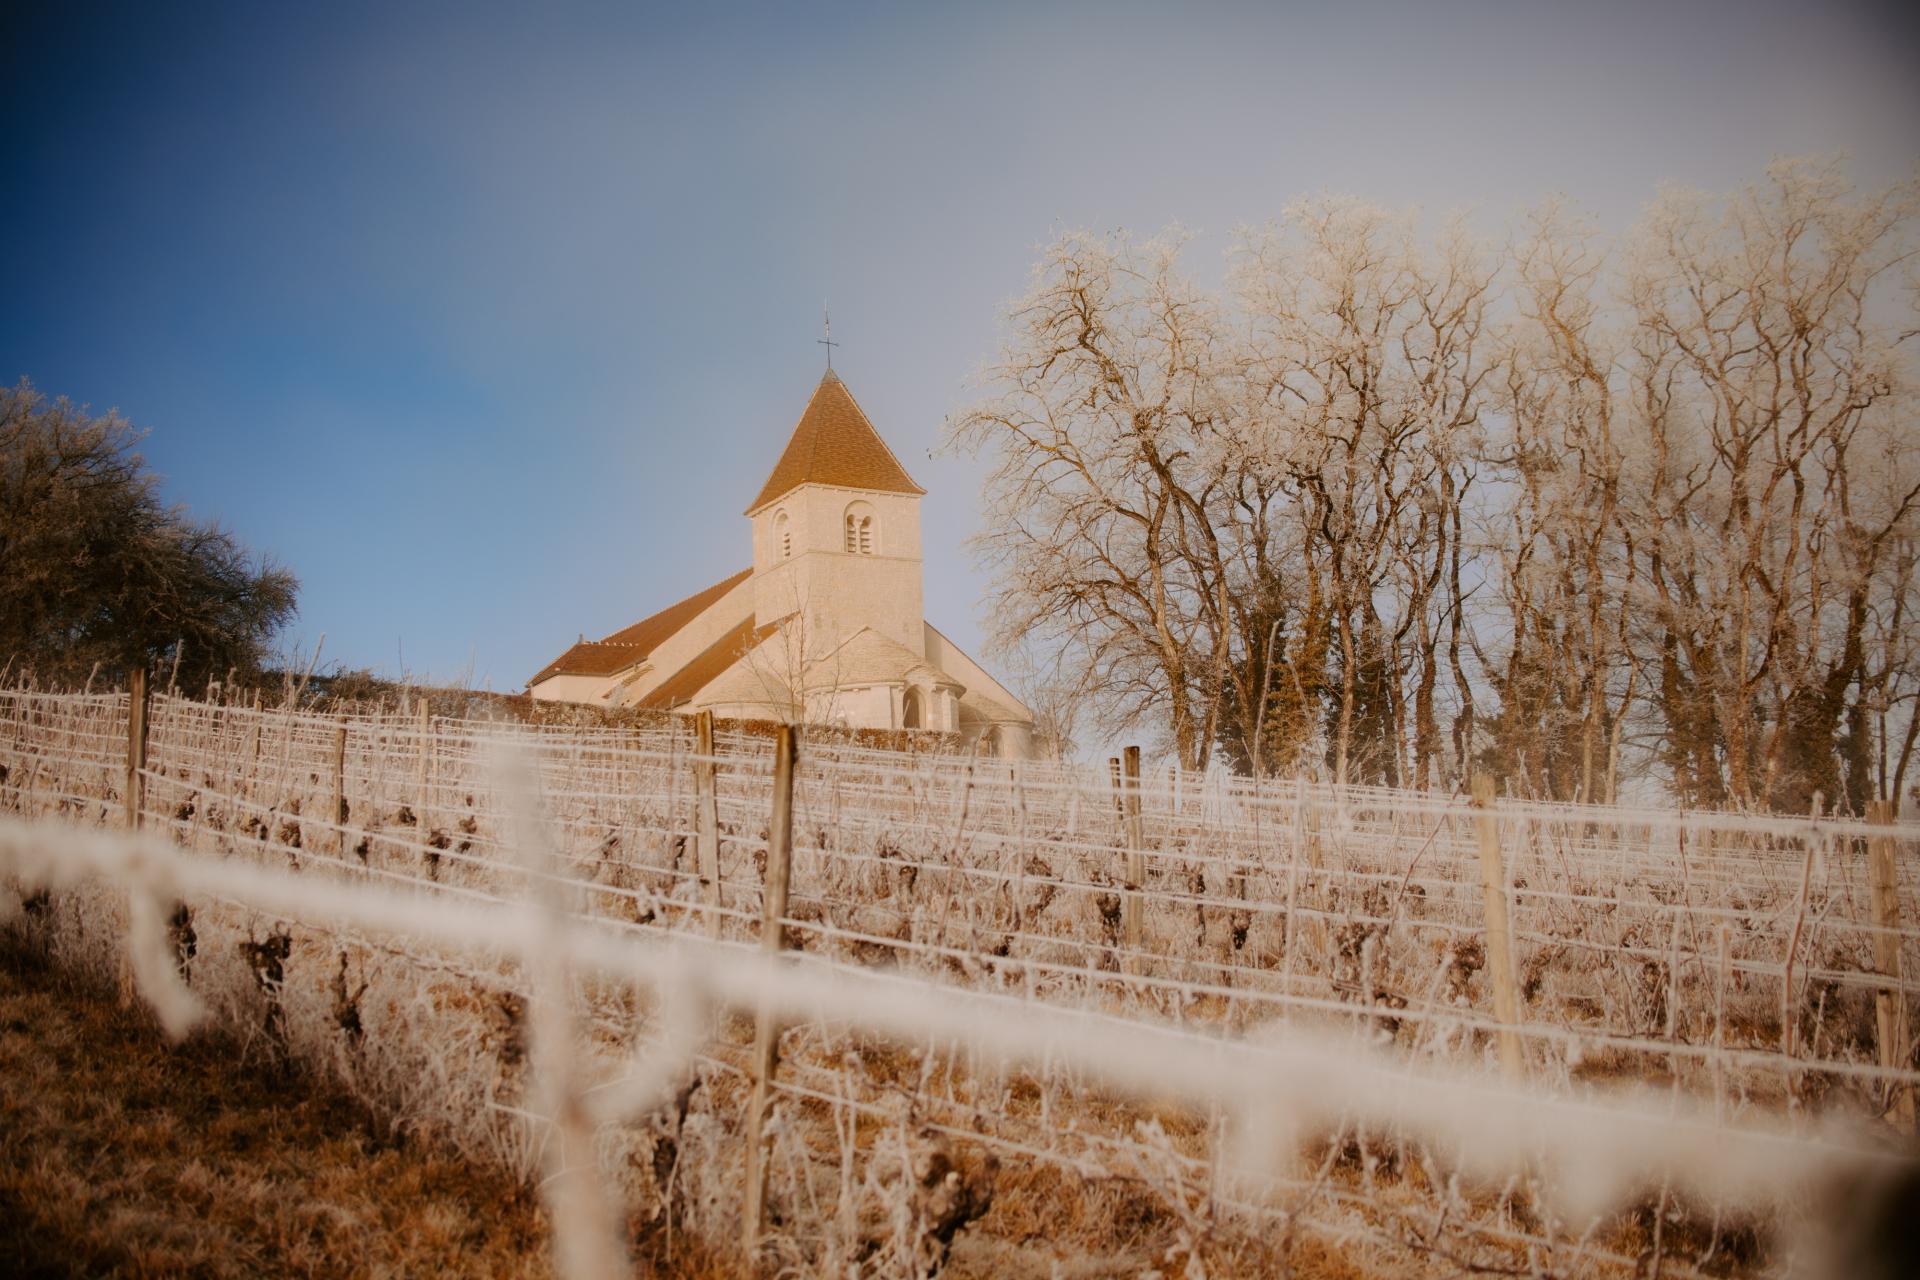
(825, 627)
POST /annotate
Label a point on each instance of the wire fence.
(1749, 967)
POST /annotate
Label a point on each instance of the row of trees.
(1389, 506)
(99, 575)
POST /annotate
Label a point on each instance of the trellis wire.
(1267, 901)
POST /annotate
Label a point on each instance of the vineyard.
(860, 1012)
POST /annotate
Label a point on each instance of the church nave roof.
(630, 646)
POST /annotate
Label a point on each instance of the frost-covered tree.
(1407, 506)
(1109, 504)
(1561, 671)
(1776, 477)
(1367, 351)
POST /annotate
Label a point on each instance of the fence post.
(339, 814)
(1493, 888)
(766, 1036)
(421, 825)
(253, 750)
(1787, 1020)
(138, 704)
(707, 818)
(1889, 1003)
(1134, 908)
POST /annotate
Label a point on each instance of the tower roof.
(835, 444)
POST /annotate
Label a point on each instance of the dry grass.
(123, 1155)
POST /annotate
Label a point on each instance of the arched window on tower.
(863, 530)
(783, 535)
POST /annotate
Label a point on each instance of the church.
(825, 627)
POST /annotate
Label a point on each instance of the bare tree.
(1366, 353)
(1567, 672)
(1111, 440)
(1775, 411)
(1666, 502)
(1051, 685)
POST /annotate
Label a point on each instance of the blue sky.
(488, 321)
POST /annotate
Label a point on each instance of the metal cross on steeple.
(826, 322)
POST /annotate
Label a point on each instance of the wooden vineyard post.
(339, 813)
(766, 1035)
(1787, 1020)
(707, 818)
(1493, 888)
(1133, 909)
(138, 704)
(420, 823)
(1889, 1004)
(1113, 773)
(1723, 973)
(253, 751)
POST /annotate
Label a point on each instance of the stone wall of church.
(571, 688)
(946, 655)
(870, 707)
(840, 592)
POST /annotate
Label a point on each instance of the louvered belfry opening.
(860, 538)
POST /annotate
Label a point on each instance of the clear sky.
(489, 320)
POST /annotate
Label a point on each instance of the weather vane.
(826, 322)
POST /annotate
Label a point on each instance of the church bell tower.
(836, 531)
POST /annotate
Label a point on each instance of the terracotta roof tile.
(680, 687)
(592, 658)
(631, 645)
(835, 444)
